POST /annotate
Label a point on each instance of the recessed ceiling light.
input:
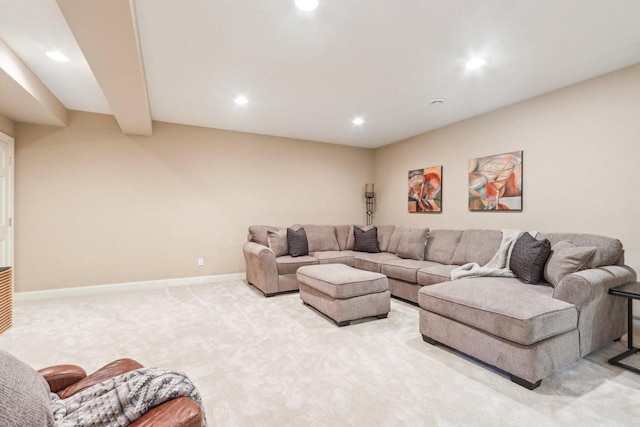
(306, 5)
(475, 63)
(358, 121)
(57, 56)
(437, 101)
(241, 100)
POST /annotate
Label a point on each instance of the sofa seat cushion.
(334, 257)
(405, 269)
(289, 265)
(341, 282)
(504, 307)
(372, 262)
(436, 274)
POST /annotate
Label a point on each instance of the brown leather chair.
(66, 380)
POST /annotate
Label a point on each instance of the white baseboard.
(119, 287)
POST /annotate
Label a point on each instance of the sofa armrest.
(601, 317)
(584, 286)
(180, 412)
(60, 377)
(111, 370)
(262, 270)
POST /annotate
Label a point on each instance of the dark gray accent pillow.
(24, 395)
(366, 241)
(528, 258)
(297, 242)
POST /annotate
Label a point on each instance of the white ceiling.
(308, 74)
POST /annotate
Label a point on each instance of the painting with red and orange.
(495, 182)
(425, 190)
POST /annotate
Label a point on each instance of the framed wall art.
(495, 182)
(425, 190)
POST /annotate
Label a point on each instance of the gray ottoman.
(344, 293)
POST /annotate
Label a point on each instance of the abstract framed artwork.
(495, 182)
(425, 190)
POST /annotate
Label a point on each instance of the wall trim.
(130, 286)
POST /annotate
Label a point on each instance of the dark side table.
(630, 291)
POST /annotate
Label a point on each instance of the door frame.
(4, 138)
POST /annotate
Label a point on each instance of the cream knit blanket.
(499, 264)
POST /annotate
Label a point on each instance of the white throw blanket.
(499, 264)
(121, 400)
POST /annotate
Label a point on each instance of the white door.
(6, 200)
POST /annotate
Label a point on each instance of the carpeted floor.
(275, 362)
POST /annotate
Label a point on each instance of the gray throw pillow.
(528, 258)
(366, 241)
(297, 242)
(566, 259)
(24, 394)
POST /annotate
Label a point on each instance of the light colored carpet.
(274, 362)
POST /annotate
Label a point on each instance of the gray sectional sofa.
(526, 330)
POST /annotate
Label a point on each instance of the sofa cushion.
(528, 258)
(278, 242)
(504, 307)
(394, 241)
(289, 265)
(436, 274)
(258, 233)
(334, 257)
(441, 245)
(297, 242)
(477, 246)
(342, 236)
(321, 237)
(366, 241)
(412, 243)
(24, 394)
(565, 259)
(608, 252)
(405, 269)
(384, 236)
(341, 282)
(372, 262)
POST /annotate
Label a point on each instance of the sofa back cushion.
(342, 235)
(441, 245)
(608, 250)
(395, 239)
(384, 236)
(321, 237)
(477, 246)
(24, 394)
(258, 233)
(412, 243)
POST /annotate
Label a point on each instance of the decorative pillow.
(258, 233)
(412, 243)
(565, 259)
(278, 241)
(24, 394)
(366, 241)
(297, 242)
(528, 258)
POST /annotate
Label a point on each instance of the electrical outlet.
(200, 262)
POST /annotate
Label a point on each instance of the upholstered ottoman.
(344, 293)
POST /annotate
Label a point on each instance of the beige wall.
(6, 125)
(94, 206)
(581, 151)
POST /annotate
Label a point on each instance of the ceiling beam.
(107, 33)
(24, 97)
